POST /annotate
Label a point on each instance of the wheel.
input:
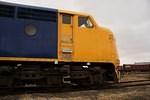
(97, 79)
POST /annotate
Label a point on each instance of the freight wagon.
(50, 47)
(134, 68)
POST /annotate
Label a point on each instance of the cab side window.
(66, 19)
(84, 22)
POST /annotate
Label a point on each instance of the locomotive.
(45, 47)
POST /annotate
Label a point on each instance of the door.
(86, 40)
(66, 37)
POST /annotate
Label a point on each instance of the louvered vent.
(7, 11)
(34, 14)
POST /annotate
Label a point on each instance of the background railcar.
(134, 68)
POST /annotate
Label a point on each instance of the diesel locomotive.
(46, 47)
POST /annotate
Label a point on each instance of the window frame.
(88, 18)
(64, 21)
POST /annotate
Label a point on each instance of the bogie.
(51, 75)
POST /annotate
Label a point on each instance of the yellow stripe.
(26, 59)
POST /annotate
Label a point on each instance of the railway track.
(71, 88)
(128, 84)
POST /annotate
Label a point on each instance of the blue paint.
(15, 43)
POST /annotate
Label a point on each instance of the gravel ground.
(141, 92)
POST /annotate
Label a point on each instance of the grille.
(35, 14)
(7, 11)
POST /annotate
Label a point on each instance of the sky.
(128, 19)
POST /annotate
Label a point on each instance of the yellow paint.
(95, 44)
(26, 59)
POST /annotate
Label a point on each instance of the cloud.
(59, 4)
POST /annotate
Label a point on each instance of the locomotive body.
(50, 47)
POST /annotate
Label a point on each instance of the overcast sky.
(128, 19)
